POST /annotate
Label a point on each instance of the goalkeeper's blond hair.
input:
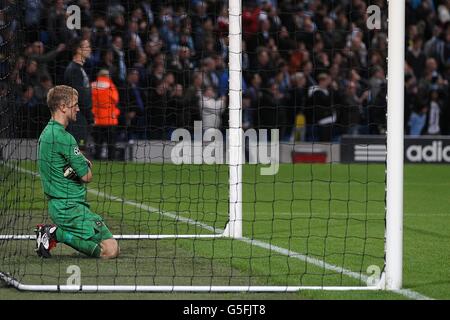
(59, 95)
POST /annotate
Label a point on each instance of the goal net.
(235, 146)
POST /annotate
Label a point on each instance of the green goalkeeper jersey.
(58, 148)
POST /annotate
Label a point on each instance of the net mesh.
(312, 71)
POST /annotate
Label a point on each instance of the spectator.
(285, 43)
(140, 66)
(415, 57)
(444, 12)
(211, 109)
(153, 51)
(432, 79)
(245, 55)
(434, 117)
(169, 33)
(271, 111)
(37, 53)
(133, 51)
(282, 77)
(298, 58)
(443, 51)
(176, 107)
(223, 22)
(33, 16)
(411, 95)
(182, 65)
(86, 13)
(206, 32)
(101, 38)
(255, 95)
(192, 101)
(261, 38)
(434, 43)
(320, 112)
(156, 75)
(134, 36)
(31, 76)
(76, 77)
(107, 63)
(417, 120)
(186, 40)
(307, 70)
(353, 112)
(329, 34)
(42, 89)
(264, 66)
(247, 117)
(105, 99)
(31, 116)
(250, 21)
(377, 81)
(118, 22)
(119, 60)
(132, 101)
(56, 24)
(200, 24)
(356, 50)
(223, 75)
(296, 96)
(156, 113)
(210, 77)
(377, 110)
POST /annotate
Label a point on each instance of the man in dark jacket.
(76, 77)
(133, 101)
(320, 112)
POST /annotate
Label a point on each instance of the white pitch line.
(292, 254)
(151, 209)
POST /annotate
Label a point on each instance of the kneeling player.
(64, 172)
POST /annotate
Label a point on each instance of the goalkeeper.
(64, 173)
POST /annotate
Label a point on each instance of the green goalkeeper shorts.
(77, 219)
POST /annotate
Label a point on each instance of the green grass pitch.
(331, 213)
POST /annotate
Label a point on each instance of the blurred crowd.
(310, 68)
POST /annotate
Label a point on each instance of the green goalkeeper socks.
(87, 247)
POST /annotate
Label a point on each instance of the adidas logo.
(429, 153)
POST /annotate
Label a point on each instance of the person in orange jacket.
(105, 99)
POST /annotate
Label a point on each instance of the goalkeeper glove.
(89, 164)
(69, 173)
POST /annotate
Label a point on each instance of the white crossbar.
(127, 236)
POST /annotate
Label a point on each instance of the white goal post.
(395, 135)
(392, 277)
